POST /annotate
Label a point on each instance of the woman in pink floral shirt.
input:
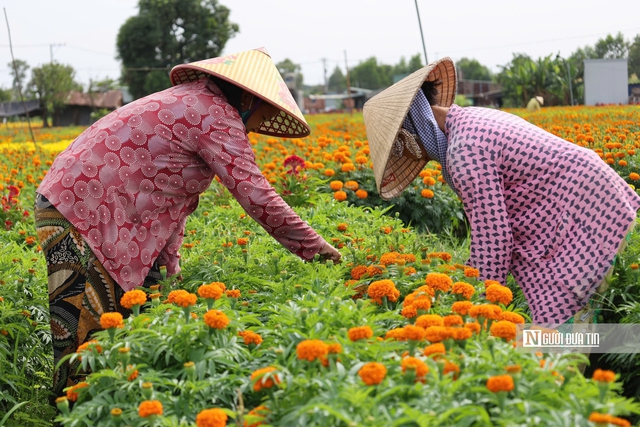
(113, 207)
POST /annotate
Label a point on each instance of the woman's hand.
(329, 252)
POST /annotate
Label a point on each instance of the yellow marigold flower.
(504, 329)
(413, 333)
(603, 375)
(250, 337)
(111, 320)
(383, 288)
(500, 383)
(311, 350)
(439, 281)
(427, 194)
(336, 185)
(216, 319)
(606, 419)
(358, 271)
(340, 196)
(435, 334)
(501, 294)
(409, 311)
(416, 365)
(72, 392)
(360, 333)
(211, 418)
(211, 291)
(351, 185)
(261, 382)
(134, 297)
(372, 373)
(233, 293)
(434, 349)
(512, 317)
(427, 320)
(464, 289)
(453, 320)
(149, 408)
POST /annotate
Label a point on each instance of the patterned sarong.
(80, 290)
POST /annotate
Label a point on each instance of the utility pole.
(326, 82)
(424, 47)
(51, 45)
(348, 82)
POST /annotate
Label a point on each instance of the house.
(18, 108)
(337, 101)
(79, 106)
(481, 92)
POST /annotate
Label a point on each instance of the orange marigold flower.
(395, 334)
(211, 418)
(504, 329)
(361, 194)
(329, 172)
(111, 320)
(311, 350)
(422, 302)
(451, 367)
(499, 293)
(210, 291)
(258, 414)
(453, 320)
(250, 337)
(358, 271)
(351, 185)
(460, 334)
(413, 333)
(389, 258)
(186, 299)
(171, 298)
(93, 344)
(360, 333)
(410, 271)
(132, 374)
(409, 311)
(634, 176)
(340, 196)
(500, 383)
(427, 320)
(471, 272)
(216, 319)
(72, 393)
(513, 369)
(603, 375)
(461, 307)
(149, 408)
(512, 317)
(336, 185)
(264, 381)
(427, 194)
(445, 256)
(242, 241)
(233, 293)
(488, 311)
(343, 226)
(439, 281)
(334, 348)
(606, 419)
(464, 289)
(416, 365)
(383, 288)
(434, 349)
(435, 334)
(372, 373)
(488, 283)
(134, 297)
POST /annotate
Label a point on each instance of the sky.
(320, 35)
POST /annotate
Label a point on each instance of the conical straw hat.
(383, 118)
(255, 72)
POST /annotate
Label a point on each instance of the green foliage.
(337, 81)
(471, 69)
(166, 33)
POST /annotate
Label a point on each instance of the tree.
(612, 47)
(368, 74)
(19, 80)
(166, 33)
(288, 66)
(634, 57)
(524, 78)
(337, 81)
(471, 69)
(51, 83)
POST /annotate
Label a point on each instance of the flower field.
(401, 333)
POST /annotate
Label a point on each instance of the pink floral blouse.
(129, 181)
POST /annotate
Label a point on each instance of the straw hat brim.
(383, 118)
(255, 72)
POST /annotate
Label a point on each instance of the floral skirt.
(80, 290)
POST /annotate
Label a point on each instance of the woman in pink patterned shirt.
(113, 207)
(548, 211)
